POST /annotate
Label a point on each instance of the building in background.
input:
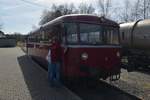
(5, 41)
(2, 35)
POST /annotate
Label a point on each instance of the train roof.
(78, 18)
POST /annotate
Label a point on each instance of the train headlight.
(84, 56)
(118, 54)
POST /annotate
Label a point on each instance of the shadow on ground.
(102, 91)
(36, 80)
(37, 83)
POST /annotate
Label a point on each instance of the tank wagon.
(135, 39)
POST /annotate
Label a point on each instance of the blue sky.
(19, 16)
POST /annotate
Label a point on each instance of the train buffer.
(23, 79)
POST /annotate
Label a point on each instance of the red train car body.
(90, 45)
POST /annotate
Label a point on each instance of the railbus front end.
(93, 50)
(90, 46)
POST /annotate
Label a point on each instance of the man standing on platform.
(54, 67)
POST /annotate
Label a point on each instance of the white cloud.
(11, 7)
(20, 16)
(76, 2)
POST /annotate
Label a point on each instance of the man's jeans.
(54, 72)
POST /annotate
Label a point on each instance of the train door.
(70, 49)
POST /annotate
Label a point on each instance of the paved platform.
(22, 79)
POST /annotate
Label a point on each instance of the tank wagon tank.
(135, 39)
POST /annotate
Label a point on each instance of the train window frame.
(59, 31)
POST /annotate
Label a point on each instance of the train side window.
(32, 38)
(56, 31)
(123, 36)
(46, 35)
(111, 36)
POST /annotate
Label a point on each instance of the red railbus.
(90, 46)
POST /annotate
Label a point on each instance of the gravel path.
(135, 83)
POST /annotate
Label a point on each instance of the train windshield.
(90, 34)
(82, 33)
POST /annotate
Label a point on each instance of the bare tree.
(56, 11)
(45, 17)
(145, 8)
(67, 9)
(141, 9)
(104, 7)
(126, 14)
(127, 9)
(73, 9)
(48, 16)
(86, 9)
(34, 26)
(135, 12)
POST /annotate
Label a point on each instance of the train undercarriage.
(135, 59)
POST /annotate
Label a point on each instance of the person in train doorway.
(54, 67)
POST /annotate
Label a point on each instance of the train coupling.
(114, 77)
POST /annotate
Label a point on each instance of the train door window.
(47, 35)
(71, 30)
(63, 35)
(57, 31)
